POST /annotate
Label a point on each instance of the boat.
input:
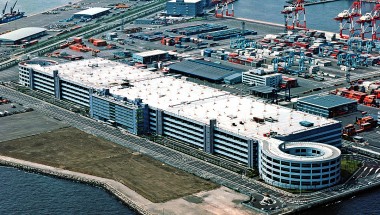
(12, 15)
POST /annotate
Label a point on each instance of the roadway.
(85, 31)
(182, 161)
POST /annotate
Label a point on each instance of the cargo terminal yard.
(239, 97)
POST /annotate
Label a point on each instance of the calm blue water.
(318, 16)
(363, 204)
(31, 7)
(28, 193)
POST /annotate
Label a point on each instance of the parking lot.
(26, 124)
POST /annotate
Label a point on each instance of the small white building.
(258, 76)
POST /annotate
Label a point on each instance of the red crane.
(375, 18)
(296, 14)
(348, 18)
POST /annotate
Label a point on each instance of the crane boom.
(5, 7)
(14, 5)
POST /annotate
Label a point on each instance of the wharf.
(313, 2)
(328, 33)
(308, 3)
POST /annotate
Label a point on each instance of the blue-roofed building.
(233, 79)
(204, 70)
(326, 105)
(185, 7)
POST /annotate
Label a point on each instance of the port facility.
(142, 101)
(17, 36)
(92, 12)
(209, 71)
(327, 106)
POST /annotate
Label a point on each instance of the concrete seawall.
(115, 188)
(328, 33)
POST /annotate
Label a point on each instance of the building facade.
(190, 8)
(257, 77)
(123, 113)
(53, 84)
(150, 56)
(299, 165)
(142, 102)
(327, 106)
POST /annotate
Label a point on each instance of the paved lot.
(26, 124)
(372, 136)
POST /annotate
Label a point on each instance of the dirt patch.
(194, 199)
(75, 150)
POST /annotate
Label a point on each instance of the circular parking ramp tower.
(299, 165)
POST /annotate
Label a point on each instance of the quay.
(314, 2)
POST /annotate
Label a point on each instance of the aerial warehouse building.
(190, 8)
(142, 101)
(92, 13)
(327, 105)
(150, 56)
(18, 36)
(205, 70)
(256, 77)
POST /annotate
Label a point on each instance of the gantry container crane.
(295, 15)
(348, 18)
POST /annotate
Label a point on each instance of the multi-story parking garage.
(142, 101)
(299, 165)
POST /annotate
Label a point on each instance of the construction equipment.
(228, 13)
(217, 14)
(240, 42)
(348, 132)
(348, 18)
(294, 13)
(301, 62)
(370, 100)
(365, 123)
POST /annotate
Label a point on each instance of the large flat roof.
(204, 69)
(97, 73)
(151, 53)
(93, 11)
(326, 101)
(187, 99)
(21, 33)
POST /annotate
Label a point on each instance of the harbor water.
(29, 193)
(31, 7)
(318, 16)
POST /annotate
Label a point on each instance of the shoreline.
(54, 8)
(118, 190)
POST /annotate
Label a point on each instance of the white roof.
(188, 99)
(93, 11)
(97, 73)
(273, 147)
(21, 33)
(151, 53)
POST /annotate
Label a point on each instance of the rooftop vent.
(306, 123)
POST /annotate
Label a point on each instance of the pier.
(313, 2)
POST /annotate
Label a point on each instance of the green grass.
(348, 167)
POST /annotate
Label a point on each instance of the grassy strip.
(74, 150)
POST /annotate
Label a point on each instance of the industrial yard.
(244, 92)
